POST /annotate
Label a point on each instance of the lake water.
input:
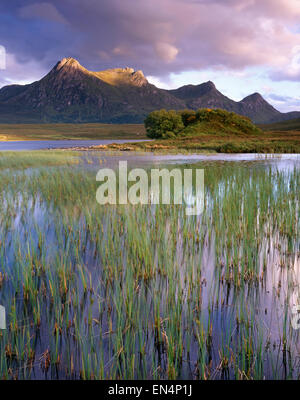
(54, 144)
(146, 292)
(281, 162)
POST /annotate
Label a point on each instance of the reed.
(123, 292)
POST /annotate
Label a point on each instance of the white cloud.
(162, 84)
(20, 72)
(292, 70)
(166, 51)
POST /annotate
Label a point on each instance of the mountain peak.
(196, 91)
(209, 84)
(255, 105)
(68, 62)
(71, 93)
(69, 65)
(254, 97)
(122, 76)
(139, 73)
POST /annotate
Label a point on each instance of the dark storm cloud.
(158, 36)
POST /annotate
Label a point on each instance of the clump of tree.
(188, 117)
(164, 124)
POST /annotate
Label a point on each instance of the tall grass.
(122, 292)
(27, 159)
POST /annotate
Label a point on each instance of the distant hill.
(204, 122)
(207, 96)
(71, 93)
(220, 123)
(290, 125)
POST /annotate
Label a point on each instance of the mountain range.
(71, 93)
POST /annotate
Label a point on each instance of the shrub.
(168, 124)
(158, 123)
(229, 147)
(188, 117)
(168, 135)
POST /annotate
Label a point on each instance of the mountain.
(203, 96)
(206, 95)
(71, 93)
(287, 125)
(258, 109)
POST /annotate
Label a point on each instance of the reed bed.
(145, 292)
(27, 159)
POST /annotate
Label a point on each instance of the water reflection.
(137, 291)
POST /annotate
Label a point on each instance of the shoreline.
(165, 149)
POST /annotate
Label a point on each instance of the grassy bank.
(290, 125)
(214, 130)
(26, 159)
(9, 132)
(267, 142)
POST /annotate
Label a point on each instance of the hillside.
(209, 131)
(71, 93)
(290, 125)
(12, 132)
(206, 95)
(221, 123)
(164, 124)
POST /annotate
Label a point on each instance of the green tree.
(188, 117)
(160, 124)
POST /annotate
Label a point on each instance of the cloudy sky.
(244, 46)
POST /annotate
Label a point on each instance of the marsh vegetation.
(71, 131)
(122, 292)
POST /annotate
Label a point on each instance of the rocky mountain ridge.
(71, 93)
